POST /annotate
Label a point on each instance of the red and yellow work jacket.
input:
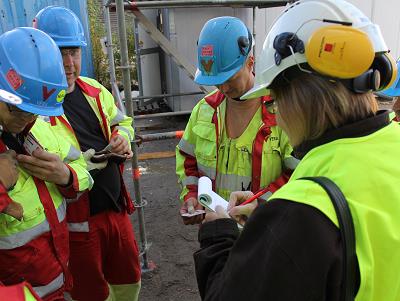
(260, 157)
(112, 122)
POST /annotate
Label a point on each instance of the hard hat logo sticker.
(46, 93)
(60, 96)
(14, 79)
(207, 50)
(207, 65)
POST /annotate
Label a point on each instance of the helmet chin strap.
(238, 99)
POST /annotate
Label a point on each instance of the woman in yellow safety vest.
(322, 59)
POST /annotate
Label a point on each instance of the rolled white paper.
(207, 197)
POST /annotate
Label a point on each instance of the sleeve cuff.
(5, 200)
(70, 191)
(190, 194)
(220, 228)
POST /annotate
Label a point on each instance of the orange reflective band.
(179, 134)
(136, 173)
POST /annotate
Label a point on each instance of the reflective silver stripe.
(125, 130)
(78, 227)
(233, 182)
(291, 163)
(266, 195)
(186, 147)
(54, 285)
(78, 195)
(21, 238)
(190, 181)
(208, 171)
(118, 118)
(73, 154)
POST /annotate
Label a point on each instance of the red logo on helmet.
(207, 50)
(328, 47)
(207, 65)
(46, 93)
(14, 79)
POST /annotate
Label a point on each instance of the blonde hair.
(311, 105)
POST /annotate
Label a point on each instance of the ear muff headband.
(334, 50)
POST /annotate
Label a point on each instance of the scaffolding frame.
(134, 7)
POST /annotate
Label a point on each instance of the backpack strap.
(347, 234)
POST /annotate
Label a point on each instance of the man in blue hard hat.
(104, 258)
(39, 177)
(233, 142)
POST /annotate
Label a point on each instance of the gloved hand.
(91, 165)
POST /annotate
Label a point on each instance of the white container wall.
(184, 26)
(150, 64)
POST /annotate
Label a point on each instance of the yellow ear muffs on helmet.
(339, 51)
(387, 67)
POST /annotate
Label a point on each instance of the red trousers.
(107, 254)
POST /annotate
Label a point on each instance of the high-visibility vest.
(258, 157)
(112, 122)
(19, 292)
(43, 227)
(367, 170)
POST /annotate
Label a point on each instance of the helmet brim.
(71, 44)
(58, 111)
(210, 80)
(256, 92)
(10, 98)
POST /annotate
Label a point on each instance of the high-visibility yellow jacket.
(258, 158)
(36, 248)
(113, 122)
(366, 169)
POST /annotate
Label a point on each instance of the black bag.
(347, 233)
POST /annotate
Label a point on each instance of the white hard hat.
(288, 42)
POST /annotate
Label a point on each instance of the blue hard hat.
(31, 67)
(394, 89)
(62, 25)
(223, 46)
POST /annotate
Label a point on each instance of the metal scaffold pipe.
(203, 3)
(129, 107)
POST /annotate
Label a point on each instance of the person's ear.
(250, 62)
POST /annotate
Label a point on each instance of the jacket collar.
(352, 130)
(87, 89)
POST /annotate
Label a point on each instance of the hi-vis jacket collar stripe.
(54, 285)
(21, 238)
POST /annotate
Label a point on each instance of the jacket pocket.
(205, 142)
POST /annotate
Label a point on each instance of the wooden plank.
(156, 155)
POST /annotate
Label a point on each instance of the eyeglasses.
(73, 52)
(18, 112)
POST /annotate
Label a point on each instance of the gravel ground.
(172, 243)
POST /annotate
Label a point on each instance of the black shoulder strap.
(347, 233)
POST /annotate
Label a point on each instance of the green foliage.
(100, 60)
